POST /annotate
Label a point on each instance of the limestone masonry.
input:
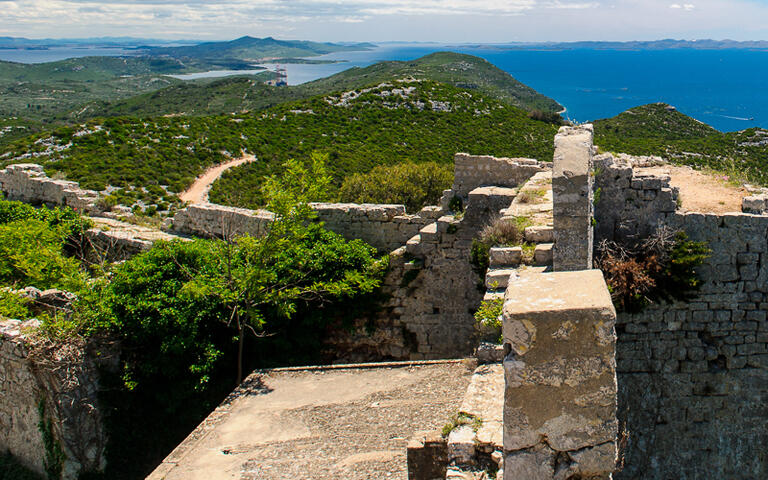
(64, 381)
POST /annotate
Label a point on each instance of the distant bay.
(725, 88)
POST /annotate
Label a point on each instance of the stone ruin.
(679, 390)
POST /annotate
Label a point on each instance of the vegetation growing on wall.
(489, 316)
(659, 268)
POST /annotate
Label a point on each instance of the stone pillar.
(560, 377)
(572, 197)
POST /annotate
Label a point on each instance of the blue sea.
(724, 88)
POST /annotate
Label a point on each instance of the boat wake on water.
(738, 118)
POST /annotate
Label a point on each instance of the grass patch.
(460, 419)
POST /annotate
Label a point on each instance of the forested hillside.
(416, 121)
(657, 129)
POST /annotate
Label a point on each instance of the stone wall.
(472, 171)
(27, 182)
(693, 376)
(386, 227)
(65, 380)
(432, 291)
(217, 221)
(629, 204)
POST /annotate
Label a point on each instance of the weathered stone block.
(560, 375)
(505, 256)
(572, 199)
(427, 455)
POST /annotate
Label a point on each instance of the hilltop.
(44, 91)
(231, 95)
(659, 129)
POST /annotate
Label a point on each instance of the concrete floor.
(349, 423)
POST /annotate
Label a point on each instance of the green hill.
(415, 121)
(44, 91)
(238, 94)
(657, 129)
(463, 71)
(244, 51)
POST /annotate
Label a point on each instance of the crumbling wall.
(472, 171)
(432, 291)
(628, 203)
(62, 382)
(209, 220)
(27, 182)
(386, 227)
(693, 376)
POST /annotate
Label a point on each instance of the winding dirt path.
(198, 192)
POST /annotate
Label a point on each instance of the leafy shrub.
(661, 267)
(489, 316)
(548, 117)
(31, 254)
(67, 220)
(414, 185)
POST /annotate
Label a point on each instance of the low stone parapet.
(472, 171)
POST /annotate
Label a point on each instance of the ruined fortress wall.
(693, 376)
(386, 227)
(628, 203)
(65, 381)
(28, 182)
(472, 171)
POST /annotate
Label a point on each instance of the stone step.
(542, 255)
(497, 279)
(429, 233)
(540, 234)
(505, 256)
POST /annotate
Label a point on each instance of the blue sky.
(382, 20)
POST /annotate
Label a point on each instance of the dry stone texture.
(572, 190)
(27, 182)
(65, 379)
(560, 378)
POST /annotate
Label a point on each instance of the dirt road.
(198, 192)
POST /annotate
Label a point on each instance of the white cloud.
(687, 7)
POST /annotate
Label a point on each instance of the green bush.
(489, 315)
(31, 254)
(414, 185)
(659, 268)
